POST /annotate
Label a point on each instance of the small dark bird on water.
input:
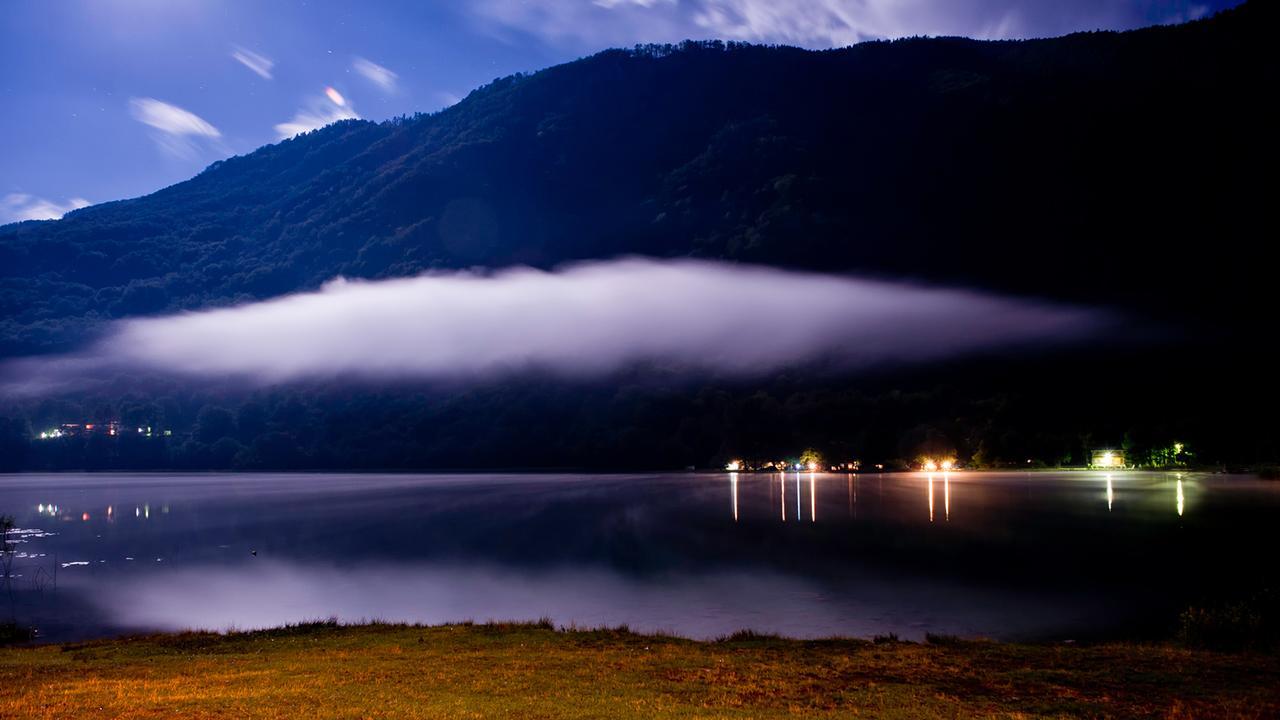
(253, 553)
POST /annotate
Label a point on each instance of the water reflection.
(930, 497)
(263, 549)
(733, 482)
(813, 498)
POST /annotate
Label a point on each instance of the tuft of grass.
(884, 639)
(747, 635)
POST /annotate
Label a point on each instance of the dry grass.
(533, 671)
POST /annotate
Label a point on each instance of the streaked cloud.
(815, 23)
(384, 78)
(179, 133)
(16, 207)
(259, 64)
(320, 111)
(171, 119)
(584, 319)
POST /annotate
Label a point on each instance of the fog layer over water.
(1040, 555)
(587, 318)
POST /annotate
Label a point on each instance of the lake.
(1051, 556)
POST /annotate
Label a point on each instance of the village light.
(948, 464)
(929, 465)
(812, 466)
(733, 466)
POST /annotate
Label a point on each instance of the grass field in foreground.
(533, 671)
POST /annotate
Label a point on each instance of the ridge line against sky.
(177, 85)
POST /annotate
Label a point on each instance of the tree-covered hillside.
(1121, 168)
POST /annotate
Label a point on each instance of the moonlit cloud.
(585, 319)
(376, 74)
(178, 130)
(815, 23)
(16, 207)
(259, 64)
(171, 119)
(319, 112)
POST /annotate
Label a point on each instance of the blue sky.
(107, 99)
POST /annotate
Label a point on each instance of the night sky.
(108, 99)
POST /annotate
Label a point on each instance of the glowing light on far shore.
(733, 466)
(335, 97)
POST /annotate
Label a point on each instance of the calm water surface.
(1010, 556)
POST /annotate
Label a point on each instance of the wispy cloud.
(16, 207)
(178, 129)
(259, 64)
(171, 119)
(320, 111)
(384, 78)
(585, 319)
(808, 23)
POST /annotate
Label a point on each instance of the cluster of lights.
(112, 429)
(932, 465)
(783, 466)
(51, 510)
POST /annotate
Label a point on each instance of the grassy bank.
(533, 671)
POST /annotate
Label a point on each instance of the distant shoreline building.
(1106, 459)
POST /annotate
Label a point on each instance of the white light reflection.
(930, 497)
(946, 494)
(1181, 500)
(733, 483)
(813, 498)
(1111, 494)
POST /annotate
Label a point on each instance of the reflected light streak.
(733, 483)
(1181, 500)
(930, 498)
(1111, 494)
(813, 498)
(946, 495)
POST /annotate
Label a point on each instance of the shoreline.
(323, 670)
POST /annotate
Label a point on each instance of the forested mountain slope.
(1113, 168)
